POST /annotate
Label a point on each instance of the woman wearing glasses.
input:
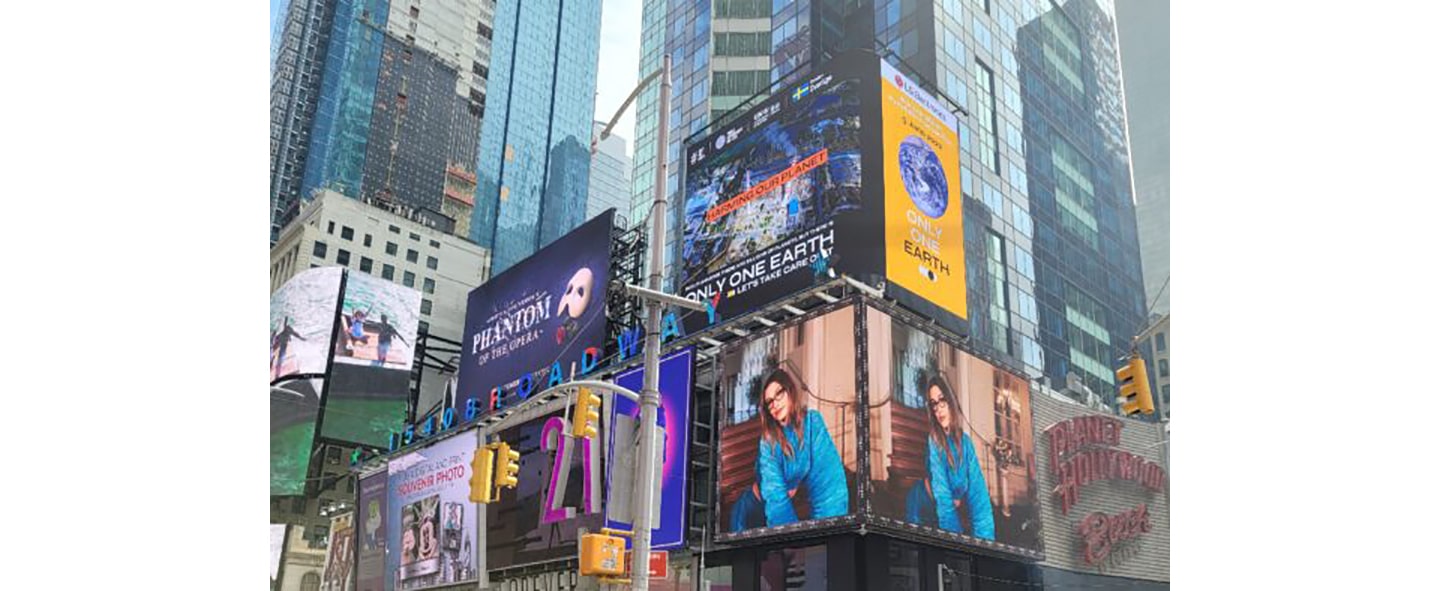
(795, 451)
(955, 475)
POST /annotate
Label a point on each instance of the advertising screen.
(430, 522)
(370, 528)
(340, 556)
(546, 311)
(302, 314)
(370, 379)
(294, 405)
(788, 434)
(924, 231)
(951, 446)
(277, 547)
(762, 195)
(559, 491)
(676, 380)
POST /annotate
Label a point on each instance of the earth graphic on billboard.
(924, 177)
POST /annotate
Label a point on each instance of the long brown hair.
(957, 418)
(770, 429)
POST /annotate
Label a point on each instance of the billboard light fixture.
(711, 342)
(766, 321)
(793, 310)
(739, 332)
(829, 299)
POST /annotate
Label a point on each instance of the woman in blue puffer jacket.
(795, 450)
(955, 475)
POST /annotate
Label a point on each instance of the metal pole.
(482, 540)
(650, 394)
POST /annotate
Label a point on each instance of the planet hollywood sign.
(1083, 451)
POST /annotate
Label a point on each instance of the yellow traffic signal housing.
(508, 461)
(482, 472)
(1134, 387)
(602, 555)
(587, 414)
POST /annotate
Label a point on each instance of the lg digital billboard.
(302, 316)
(430, 535)
(789, 435)
(924, 230)
(952, 452)
(374, 351)
(294, 405)
(852, 169)
(536, 319)
(762, 195)
(370, 529)
(676, 381)
(559, 491)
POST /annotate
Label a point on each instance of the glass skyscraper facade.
(1144, 28)
(1037, 82)
(534, 162)
(609, 177)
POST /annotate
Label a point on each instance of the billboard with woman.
(951, 446)
(788, 437)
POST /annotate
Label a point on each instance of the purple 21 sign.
(675, 382)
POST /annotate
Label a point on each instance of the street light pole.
(650, 392)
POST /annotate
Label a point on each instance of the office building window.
(409, 279)
(432, 262)
(412, 256)
(424, 327)
(1164, 368)
(330, 229)
(999, 300)
(795, 568)
(367, 240)
(1160, 341)
(366, 264)
(985, 114)
(391, 248)
(310, 582)
(342, 257)
(414, 236)
(394, 229)
(434, 244)
(387, 272)
(424, 306)
(429, 285)
(984, 5)
(347, 233)
(319, 249)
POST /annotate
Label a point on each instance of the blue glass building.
(534, 163)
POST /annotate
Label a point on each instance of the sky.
(619, 61)
(619, 65)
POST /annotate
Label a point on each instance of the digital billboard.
(789, 430)
(374, 350)
(765, 196)
(924, 230)
(277, 547)
(542, 315)
(429, 520)
(339, 573)
(952, 452)
(302, 315)
(370, 529)
(559, 491)
(294, 405)
(668, 517)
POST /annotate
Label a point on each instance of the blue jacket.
(964, 482)
(815, 464)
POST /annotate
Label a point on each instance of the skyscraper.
(1017, 117)
(1144, 27)
(379, 100)
(609, 177)
(534, 163)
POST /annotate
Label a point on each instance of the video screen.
(374, 351)
(294, 406)
(951, 446)
(302, 314)
(788, 434)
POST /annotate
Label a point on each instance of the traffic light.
(508, 467)
(482, 472)
(1134, 387)
(587, 414)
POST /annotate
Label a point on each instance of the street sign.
(659, 563)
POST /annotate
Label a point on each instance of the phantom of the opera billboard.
(852, 169)
(908, 434)
(536, 324)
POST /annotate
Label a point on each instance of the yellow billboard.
(924, 232)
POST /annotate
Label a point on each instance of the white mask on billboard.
(577, 293)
